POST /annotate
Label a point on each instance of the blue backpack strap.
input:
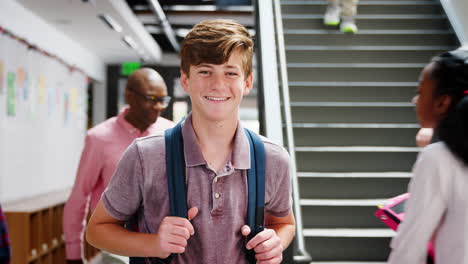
(256, 188)
(175, 172)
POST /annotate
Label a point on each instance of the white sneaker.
(348, 26)
(332, 15)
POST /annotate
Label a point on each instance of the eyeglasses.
(163, 100)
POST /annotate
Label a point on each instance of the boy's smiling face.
(216, 90)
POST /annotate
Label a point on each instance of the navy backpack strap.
(175, 172)
(256, 188)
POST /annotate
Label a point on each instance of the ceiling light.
(110, 22)
(93, 2)
(130, 42)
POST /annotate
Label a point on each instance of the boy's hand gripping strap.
(256, 188)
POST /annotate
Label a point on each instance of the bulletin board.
(43, 115)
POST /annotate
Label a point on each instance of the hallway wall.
(16, 18)
(41, 142)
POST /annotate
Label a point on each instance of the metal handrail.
(301, 255)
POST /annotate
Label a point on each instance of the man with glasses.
(146, 95)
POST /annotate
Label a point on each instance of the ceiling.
(183, 14)
(79, 20)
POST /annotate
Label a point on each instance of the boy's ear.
(442, 104)
(248, 84)
(183, 80)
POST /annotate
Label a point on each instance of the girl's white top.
(437, 209)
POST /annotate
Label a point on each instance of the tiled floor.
(106, 258)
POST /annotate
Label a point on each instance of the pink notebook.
(392, 213)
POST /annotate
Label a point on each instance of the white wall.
(457, 11)
(39, 149)
(21, 21)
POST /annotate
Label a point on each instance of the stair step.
(353, 84)
(339, 55)
(347, 175)
(348, 248)
(370, 37)
(348, 232)
(367, 48)
(352, 114)
(346, 262)
(357, 149)
(370, 32)
(362, 2)
(366, 7)
(366, 22)
(352, 104)
(341, 125)
(341, 202)
(352, 185)
(355, 159)
(369, 16)
(348, 244)
(353, 72)
(308, 134)
(356, 65)
(340, 213)
(352, 91)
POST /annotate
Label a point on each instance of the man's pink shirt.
(104, 146)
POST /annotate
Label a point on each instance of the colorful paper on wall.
(42, 88)
(73, 100)
(50, 100)
(11, 94)
(20, 78)
(2, 76)
(26, 87)
(66, 108)
(58, 92)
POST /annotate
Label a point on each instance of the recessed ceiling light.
(130, 42)
(110, 22)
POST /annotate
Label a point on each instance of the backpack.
(175, 171)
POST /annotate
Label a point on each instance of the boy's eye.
(232, 73)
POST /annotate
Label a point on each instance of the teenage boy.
(216, 71)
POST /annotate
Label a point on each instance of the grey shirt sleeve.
(123, 195)
(278, 181)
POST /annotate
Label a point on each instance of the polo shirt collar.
(240, 156)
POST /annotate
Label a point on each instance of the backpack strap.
(256, 188)
(175, 172)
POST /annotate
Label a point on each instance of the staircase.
(354, 124)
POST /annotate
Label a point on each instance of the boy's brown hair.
(213, 41)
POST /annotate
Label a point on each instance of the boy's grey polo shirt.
(139, 186)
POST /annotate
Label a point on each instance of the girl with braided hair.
(438, 207)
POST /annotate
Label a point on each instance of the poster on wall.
(2, 64)
(32, 69)
(2, 75)
(11, 94)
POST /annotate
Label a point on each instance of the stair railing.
(272, 65)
